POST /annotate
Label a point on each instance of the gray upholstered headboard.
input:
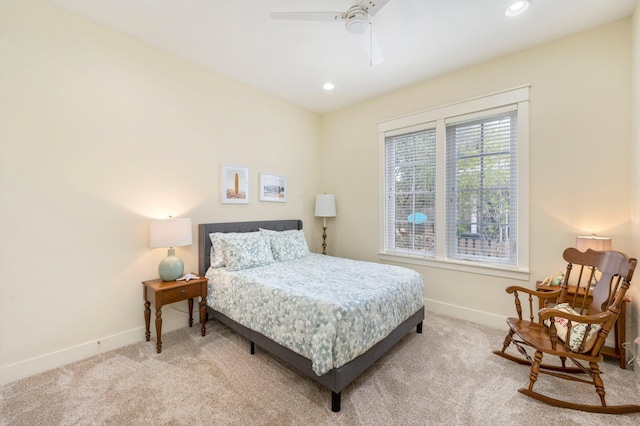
(204, 229)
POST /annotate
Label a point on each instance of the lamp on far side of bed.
(170, 233)
(325, 207)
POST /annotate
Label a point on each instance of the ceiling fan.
(357, 20)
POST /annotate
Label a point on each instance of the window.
(411, 181)
(482, 189)
(455, 179)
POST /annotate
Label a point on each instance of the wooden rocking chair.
(566, 327)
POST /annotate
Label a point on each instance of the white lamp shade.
(583, 243)
(173, 232)
(325, 205)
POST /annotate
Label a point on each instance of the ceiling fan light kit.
(356, 20)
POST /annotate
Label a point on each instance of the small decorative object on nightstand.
(159, 293)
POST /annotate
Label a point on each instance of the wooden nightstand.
(617, 351)
(162, 293)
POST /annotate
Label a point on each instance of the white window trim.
(518, 95)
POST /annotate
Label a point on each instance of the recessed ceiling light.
(517, 7)
(328, 86)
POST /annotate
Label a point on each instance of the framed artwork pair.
(235, 186)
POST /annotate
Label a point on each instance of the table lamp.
(170, 233)
(325, 207)
(593, 242)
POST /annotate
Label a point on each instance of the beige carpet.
(447, 375)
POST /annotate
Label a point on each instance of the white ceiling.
(419, 39)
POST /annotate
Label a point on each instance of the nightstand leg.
(203, 316)
(147, 319)
(190, 312)
(159, 329)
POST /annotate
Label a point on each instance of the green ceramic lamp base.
(171, 267)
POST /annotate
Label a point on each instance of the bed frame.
(338, 378)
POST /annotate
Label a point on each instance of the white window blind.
(482, 184)
(410, 187)
(455, 182)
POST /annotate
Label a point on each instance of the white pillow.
(577, 330)
(246, 250)
(287, 245)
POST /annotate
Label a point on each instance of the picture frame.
(235, 184)
(273, 188)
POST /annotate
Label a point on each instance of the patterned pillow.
(246, 250)
(287, 245)
(577, 330)
(216, 256)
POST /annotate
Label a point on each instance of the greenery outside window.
(455, 182)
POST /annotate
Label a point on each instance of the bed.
(307, 344)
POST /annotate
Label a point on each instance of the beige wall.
(579, 151)
(99, 133)
(634, 326)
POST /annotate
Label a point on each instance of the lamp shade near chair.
(593, 242)
(170, 233)
(583, 243)
(325, 207)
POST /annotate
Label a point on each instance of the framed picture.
(235, 184)
(273, 188)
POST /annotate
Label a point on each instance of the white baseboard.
(480, 317)
(29, 367)
(53, 360)
(20, 370)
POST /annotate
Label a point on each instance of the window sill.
(460, 265)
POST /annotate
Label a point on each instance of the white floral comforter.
(327, 309)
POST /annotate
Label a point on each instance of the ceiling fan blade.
(372, 6)
(370, 45)
(308, 16)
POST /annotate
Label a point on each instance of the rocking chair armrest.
(546, 313)
(541, 294)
